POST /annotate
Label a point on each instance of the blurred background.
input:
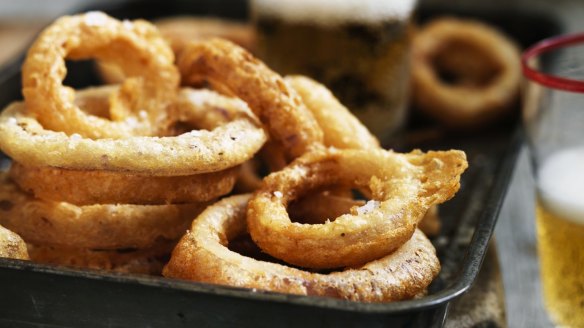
(20, 19)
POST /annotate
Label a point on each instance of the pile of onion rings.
(341, 130)
(112, 177)
(403, 187)
(114, 168)
(203, 255)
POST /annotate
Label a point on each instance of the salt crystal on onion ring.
(136, 47)
(485, 66)
(233, 70)
(94, 226)
(11, 245)
(25, 140)
(402, 186)
(202, 255)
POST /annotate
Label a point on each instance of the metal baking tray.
(33, 295)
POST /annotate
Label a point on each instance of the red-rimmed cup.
(553, 117)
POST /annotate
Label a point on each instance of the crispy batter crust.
(95, 226)
(318, 207)
(180, 30)
(194, 152)
(202, 255)
(403, 187)
(103, 187)
(340, 128)
(235, 71)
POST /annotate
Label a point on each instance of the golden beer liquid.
(560, 237)
(364, 63)
(561, 255)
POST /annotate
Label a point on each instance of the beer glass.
(359, 49)
(553, 115)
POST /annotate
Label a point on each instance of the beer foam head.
(561, 184)
(334, 12)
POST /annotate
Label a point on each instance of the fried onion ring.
(482, 63)
(402, 186)
(202, 255)
(233, 70)
(325, 205)
(11, 245)
(138, 261)
(180, 30)
(194, 152)
(146, 58)
(340, 128)
(321, 207)
(95, 226)
(103, 187)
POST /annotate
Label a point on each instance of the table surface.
(516, 244)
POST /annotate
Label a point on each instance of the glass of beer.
(358, 48)
(553, 114)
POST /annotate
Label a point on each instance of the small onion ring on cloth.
(136, 47)
(340, 128)
(198, 151)
(140, 261)
(11, 245)
(402, 186)
(202, 255)
(485, 65)
(94, 226)
(233, 70)
(104, 187)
